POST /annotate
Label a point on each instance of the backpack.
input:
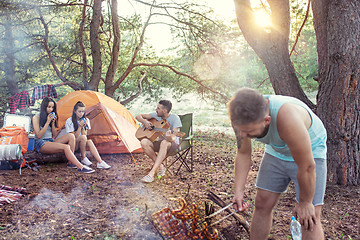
(10, 157)
(14, 137)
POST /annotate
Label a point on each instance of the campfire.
(180, 225)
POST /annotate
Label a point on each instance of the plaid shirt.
(43, 91)
(20, 100)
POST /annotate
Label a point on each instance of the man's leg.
(164, 147)
(318, 232)
(262, 216)
(148, 148)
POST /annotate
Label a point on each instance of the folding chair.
(185, 152)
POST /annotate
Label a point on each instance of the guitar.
(158, 129)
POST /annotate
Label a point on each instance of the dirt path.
(114, 204)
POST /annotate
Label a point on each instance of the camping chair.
(184, 154)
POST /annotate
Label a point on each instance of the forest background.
(205, 56)
(90, 45)
(310, 51)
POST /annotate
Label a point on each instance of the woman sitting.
(45, 130)
(78, 124)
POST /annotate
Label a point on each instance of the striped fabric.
(10, 194)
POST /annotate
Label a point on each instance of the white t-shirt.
(69, 125)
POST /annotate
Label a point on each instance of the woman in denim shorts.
(45, 125)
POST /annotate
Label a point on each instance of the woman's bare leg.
(55, 147)
(93, 150)
(67, 139)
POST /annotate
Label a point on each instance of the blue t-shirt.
(173, 120)
(276, 147)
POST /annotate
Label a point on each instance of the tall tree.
(95, 45)
(272, 45)
(106, 45)
(337, 26)
(9, 52)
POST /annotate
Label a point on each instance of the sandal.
(161, 172)
(147, 179)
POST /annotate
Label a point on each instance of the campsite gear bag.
(14, 135)
(10, 157)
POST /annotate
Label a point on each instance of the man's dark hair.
(167, 104)
(247, 106)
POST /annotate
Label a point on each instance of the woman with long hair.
(78, 124)
(45, 125)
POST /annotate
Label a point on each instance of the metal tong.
(222, 219)
(219, 211)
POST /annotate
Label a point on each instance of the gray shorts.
(275, 175)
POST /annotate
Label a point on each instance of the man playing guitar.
(165, 144)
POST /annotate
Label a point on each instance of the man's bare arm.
(144, 119)
(242, 167)
(292, 126)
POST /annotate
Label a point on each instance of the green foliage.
(208, 48)
(305, 55)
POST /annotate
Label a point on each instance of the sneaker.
(86, 169)
(147, 179)
(86, 161)
(71, 165)
(161, 172)
(103, 164)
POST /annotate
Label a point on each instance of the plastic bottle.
(295, 229)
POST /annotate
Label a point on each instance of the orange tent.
(113, 127)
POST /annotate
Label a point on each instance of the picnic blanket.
(10, 194)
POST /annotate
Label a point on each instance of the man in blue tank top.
(295, 151)
(164, 145)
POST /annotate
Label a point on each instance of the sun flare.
(262, 18)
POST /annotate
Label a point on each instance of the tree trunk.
(95, 46)
(109, 79)
(337, 25)
(9, 63)
(272, 46)
(110, 88)
(82, 47)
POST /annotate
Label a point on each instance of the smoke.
(133, 213)
(86, 214)
(47, 214)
